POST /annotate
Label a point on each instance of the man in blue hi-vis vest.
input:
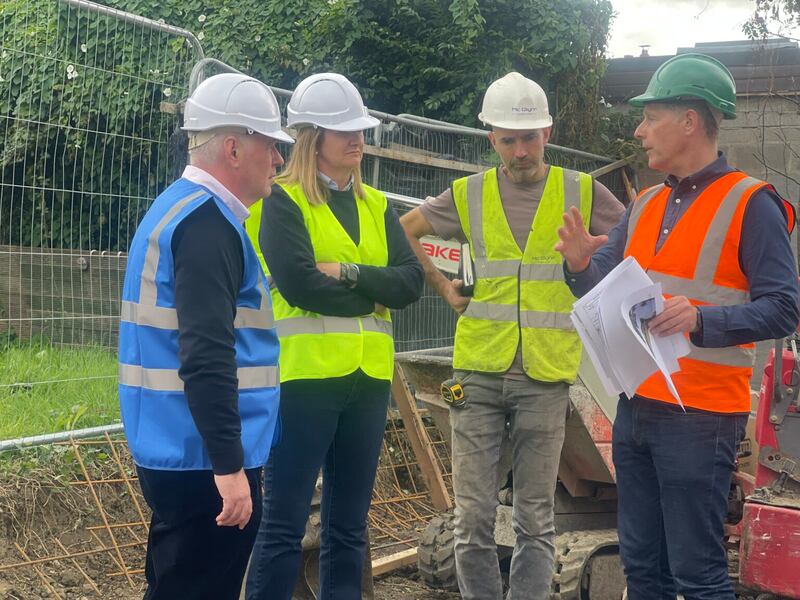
(198, 350)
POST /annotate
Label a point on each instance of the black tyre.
(436, 559)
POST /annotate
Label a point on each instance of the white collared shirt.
(332, 184)
(212, 184)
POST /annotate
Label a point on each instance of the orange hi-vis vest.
(700, 260)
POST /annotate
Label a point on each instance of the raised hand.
(576, 244)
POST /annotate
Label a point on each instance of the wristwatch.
(349, 274)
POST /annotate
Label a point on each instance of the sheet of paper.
(598, 355)
(637, 309)
(612, 321)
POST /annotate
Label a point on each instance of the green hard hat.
(692, 76)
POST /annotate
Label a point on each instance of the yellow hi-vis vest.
(315, 346)
(519, 293)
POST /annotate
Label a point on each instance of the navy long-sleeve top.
(287, 249)
(765, 256)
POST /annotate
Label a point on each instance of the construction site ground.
(80, 502)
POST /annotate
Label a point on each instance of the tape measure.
(453, 393)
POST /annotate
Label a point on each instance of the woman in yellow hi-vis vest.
(337, 259)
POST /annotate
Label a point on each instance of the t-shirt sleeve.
(606, 210)
(441, 214)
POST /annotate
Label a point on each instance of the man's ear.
(692, 121)
(546, 133)
(231, 148)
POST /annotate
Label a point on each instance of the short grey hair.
(709, 116)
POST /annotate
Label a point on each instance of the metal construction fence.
(90, 102)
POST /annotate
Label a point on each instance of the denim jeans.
(336, 424)
(673, 478)
(537, 415)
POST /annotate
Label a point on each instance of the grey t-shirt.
(520, 201)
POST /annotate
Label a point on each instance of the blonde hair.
(302, 168)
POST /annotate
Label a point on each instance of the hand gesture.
(577, 245)
(237, 504)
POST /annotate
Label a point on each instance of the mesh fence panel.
(89, 129)
(85, 149)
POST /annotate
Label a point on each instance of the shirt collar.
(704, 176)
(331, 184)
(212, 184)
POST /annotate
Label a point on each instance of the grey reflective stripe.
(572, 189)
(491, 311)
(475, 211)
(150, 316)
(711, 250)
(545, 320)
(323, 325)
(316, 325)
(256, 318)
(147, 290)
(732, 356)
(253, 318)
(511, 268)
(376, 325)
(167, 318)
(496, 268)
(702, 291)
(507, 313)
(638, 209)
(167, 380)
(541, 272)
(257, 377)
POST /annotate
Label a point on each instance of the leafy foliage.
(772, 17)
(86, 149)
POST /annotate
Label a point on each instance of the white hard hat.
(328, 100)
(234, 100)
(515, 102)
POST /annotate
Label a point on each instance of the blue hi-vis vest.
(160, 430)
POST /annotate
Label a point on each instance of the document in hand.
(612, 322)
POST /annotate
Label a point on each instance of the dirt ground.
(44, 513)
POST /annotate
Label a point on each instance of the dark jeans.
(336, 424)
(188, 555)
(673, 479)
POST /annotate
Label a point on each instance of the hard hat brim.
(357, 124)
(642, 100)
(279, 135)
(519, 124)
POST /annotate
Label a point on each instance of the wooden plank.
(617, 164)
(420, 442)
(421, 159)
(389, 563)
(628, 187)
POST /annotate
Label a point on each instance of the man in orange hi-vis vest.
(718, 241)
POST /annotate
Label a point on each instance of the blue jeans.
(336, 424)
(673, 478)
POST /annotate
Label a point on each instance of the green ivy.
(428, 57)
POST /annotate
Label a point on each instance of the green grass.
(46, 389)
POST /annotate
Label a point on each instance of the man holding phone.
(516, 351)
